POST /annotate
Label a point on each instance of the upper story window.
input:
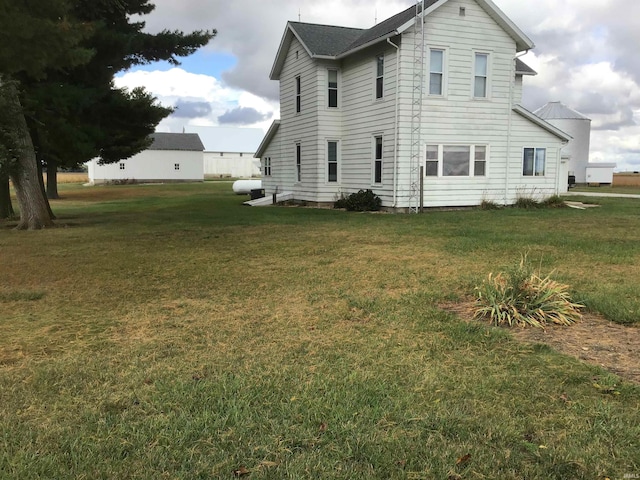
(481, 75)
(298, 95)
(456, 161)
(379, 76)
(176, 166)
(533, 162)
(436, 72)
(332, 99)
(121, 166)
(266, 162)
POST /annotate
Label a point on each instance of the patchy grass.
(170, 331)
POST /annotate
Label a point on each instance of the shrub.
(361, 201)
(489, 205)
(554, 201)
(526, 203)
(524, 297)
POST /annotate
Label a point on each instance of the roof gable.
(532, 117)
(273, 129)
(332, 42)
(176, 141)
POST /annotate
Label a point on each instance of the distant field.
(65, 177)
(168, 331)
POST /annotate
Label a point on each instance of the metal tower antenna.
(416, 110)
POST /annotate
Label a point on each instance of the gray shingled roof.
(523, 68)
(388, 26)
(176, 141)
(327, 40)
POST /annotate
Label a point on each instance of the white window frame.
(337, 161)
(330, 88)
(378, 158)
(440, 159)
(176, 166)
(298, 158)
(122, 165)
(379, 77)
(535, 161)
(266, 165)
(486, 76)
(443, 73)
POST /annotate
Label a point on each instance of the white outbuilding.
(228, 151)
(171, 157)
(577, 150)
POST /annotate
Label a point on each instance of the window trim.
(472, 159)
(298, 90)
(487, 76)
(443, 73)
(336, 88)
(377, 160)
(379, 77)
(337, 161)
(535, 159)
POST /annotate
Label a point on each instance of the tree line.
(59, 106)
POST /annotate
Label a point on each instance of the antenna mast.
(416, 109)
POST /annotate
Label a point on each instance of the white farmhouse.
(228, 151)
(421, 108)
(171, 157)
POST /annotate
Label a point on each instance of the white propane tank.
(244, 187)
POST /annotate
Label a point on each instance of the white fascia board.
(531, 74)
(522, 41)
(533, 118)
(267, 138)
(285, 43)
(427, 11)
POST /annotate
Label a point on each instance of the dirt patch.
(594, 340)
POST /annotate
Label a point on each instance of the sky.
(585, 55)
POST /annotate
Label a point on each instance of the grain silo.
(576, 125)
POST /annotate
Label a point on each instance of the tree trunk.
(52, 179)
(42, 187)
(6, 208)
(34, 213)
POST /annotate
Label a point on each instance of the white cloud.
(176, 86)
(586, 56)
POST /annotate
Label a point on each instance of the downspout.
(395, 132)
(509, 121)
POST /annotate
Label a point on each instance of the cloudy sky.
(586, 56)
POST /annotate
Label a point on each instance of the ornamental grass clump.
(524, 297)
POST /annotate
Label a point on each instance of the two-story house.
(427, 97)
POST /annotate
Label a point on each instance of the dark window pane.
(527, 164)
(379, 87)
(377, 178)
(479, 168)
(431, 168)
(333, 172)
(333, 97)
(455, 160)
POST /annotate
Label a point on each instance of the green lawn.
(167, 331)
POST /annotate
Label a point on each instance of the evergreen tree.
(75, 113)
